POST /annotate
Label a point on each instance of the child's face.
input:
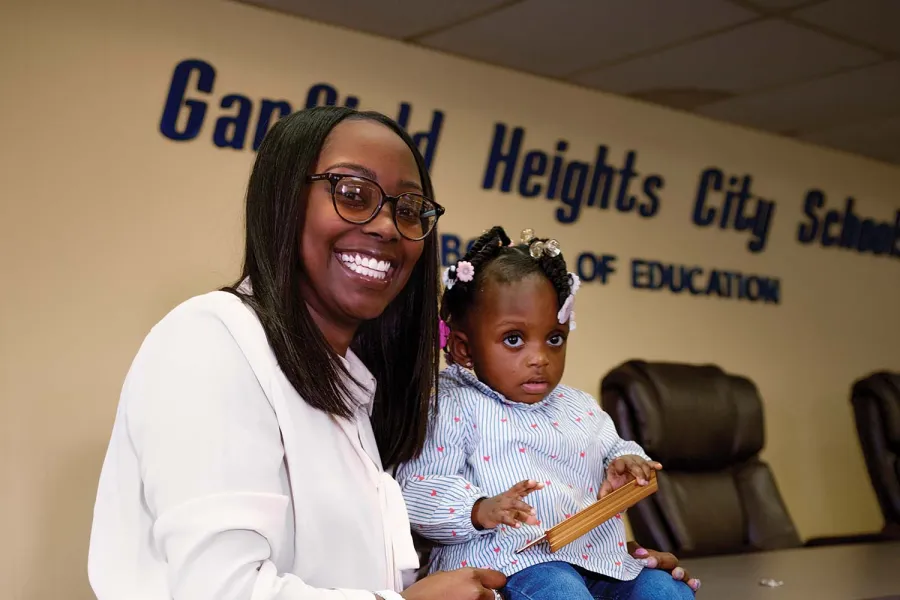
(516, 343)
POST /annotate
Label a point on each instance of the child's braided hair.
(494, 258)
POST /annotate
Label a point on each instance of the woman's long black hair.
(400, 347)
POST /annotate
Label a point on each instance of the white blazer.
(221, 483)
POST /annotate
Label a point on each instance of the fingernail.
(678, 573)
(533, 511)
(641, 552)
(695, 585)
(517, 525)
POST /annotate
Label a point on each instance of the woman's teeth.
(366, 265)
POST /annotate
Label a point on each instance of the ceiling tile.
(539, 36)
(682, 99)
(854, 95)
(876, 22)
(879, 139)
(777, 4)
(397, 18)
(755, 56)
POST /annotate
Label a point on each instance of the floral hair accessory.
(566, 313)
(462, 271)
(574, 283)
(465, 271)
(445, 333)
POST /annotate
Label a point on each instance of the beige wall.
(106, 225)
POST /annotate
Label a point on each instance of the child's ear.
(459, 349)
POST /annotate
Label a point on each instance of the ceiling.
(825, 71)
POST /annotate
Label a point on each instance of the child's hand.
(506, 508)
(624, 468)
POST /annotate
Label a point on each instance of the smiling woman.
(248, 456)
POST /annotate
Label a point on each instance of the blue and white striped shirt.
(482, 444)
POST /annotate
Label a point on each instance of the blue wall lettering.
(739, 210)
(452, 248)
(268, 109)
(847, 230)
(696, 281)
(606, 183)
(184, 114)
(321, 94)
(426, 141)
(595, 267)
(574, 184)
(176, 100)
(231, 131)
(535, 164)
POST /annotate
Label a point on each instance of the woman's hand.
(506, 508)
(665, 561)
(627, 467)
(461, 584)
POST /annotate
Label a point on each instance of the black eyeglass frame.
(335, 178)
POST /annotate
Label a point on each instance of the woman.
(248, 452)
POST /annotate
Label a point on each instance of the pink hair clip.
(445, 333)
(465, 271)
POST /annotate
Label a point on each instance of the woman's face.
(329, 246)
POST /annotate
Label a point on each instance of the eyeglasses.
(358, 200)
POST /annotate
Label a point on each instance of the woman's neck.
(338, 335)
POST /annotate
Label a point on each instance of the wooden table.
(847, 572)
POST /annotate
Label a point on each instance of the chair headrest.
(688, 417)
(884, 388)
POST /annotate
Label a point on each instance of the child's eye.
(556, 340)
(513, 340)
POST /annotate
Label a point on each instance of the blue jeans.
(562, 581)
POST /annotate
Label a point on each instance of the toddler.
(502, 416)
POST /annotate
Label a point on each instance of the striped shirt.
(480, 445)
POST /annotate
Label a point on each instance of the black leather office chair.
(706, 426)
(876, 410)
